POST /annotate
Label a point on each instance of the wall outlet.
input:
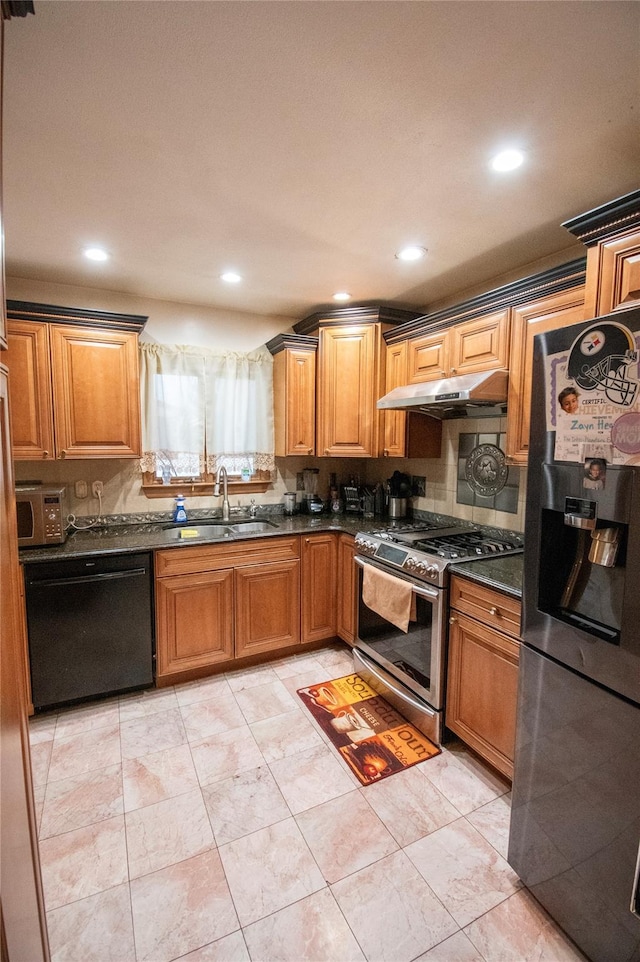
(418, 486)
(81, 489)
(97, 488)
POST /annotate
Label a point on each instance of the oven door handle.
(426, 592)
(386, 680)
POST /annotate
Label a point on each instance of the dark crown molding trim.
(29, 311)
(601, 222)
(16, 8)
(362, 314)
(552, 281)
(282, 342)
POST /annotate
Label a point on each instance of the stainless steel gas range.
(405, 567)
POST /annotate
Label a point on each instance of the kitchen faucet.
(222, 471)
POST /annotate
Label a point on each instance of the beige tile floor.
(212, 822)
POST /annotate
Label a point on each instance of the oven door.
(412, 663)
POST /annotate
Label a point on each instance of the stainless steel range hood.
(468, 395)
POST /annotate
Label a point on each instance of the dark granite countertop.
(149, 536)
(503, 573)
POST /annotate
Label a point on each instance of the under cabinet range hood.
(466, 396)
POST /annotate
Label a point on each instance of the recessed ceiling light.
(342, 296)
(231, 277)
(411, 253)
(96, 254)
(507, 160)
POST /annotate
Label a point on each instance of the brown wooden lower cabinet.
(482, 675)
(319, 586)
(267, 607)
(347, 588)
(218, 602)
(194, 621)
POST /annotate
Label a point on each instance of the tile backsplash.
(435, 481)
(504, 499)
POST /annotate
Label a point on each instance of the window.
(203, 409)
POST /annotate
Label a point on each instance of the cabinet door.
(429, 357)
(267, 607)
(347, 588)
(29, 364)
(348, 388)
(194, 621)
(538, 317)
(24, 932)
(319, 584)
(395, 422)
(294, 387)
(613, 275)
(482, 690)
(95, 393)
(480, 345)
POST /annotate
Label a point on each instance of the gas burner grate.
(469, 545)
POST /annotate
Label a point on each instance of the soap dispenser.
(179, 512)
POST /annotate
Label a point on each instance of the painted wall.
(187, 324)
(169, 323)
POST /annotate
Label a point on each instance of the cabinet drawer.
(482, 690)
(231, 554)
(487, 605)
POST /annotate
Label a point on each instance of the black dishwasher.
(90, 626)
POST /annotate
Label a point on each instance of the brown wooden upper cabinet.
(74, 383)
(407, 434)
(617, 274)
(350, 381)
(294, 394)
(468, 347)
(612, 236)
(537, 317)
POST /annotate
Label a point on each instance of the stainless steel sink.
(252, 527)
(206, 531)
(213, 530)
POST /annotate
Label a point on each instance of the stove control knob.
(365, 545)
(431, 571)
(411, 563)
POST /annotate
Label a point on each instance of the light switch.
(81, 489)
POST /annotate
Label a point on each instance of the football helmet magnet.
(599, 360)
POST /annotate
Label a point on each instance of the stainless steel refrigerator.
(575, 823)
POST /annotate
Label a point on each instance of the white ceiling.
(303, 142)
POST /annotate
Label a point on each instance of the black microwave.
(40, 510)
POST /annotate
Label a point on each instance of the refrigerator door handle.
(635, 894)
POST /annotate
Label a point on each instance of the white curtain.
(204, 408)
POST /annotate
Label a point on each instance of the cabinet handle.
(453, 370)
(45, 454)
(453, 620)
(495, 612)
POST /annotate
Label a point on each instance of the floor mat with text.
(370, 735)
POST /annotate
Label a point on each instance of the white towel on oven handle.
(390, 597)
